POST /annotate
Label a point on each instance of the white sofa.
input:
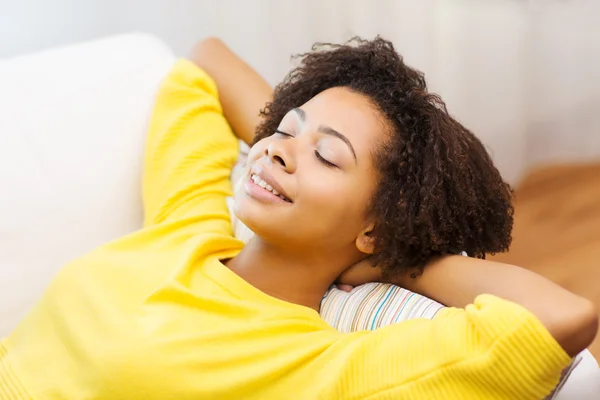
(72, 131)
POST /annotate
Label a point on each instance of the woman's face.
(308, 185)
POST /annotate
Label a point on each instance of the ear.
(365, 242)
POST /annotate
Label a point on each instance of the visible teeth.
(256, 179)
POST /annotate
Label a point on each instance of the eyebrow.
(327, 130)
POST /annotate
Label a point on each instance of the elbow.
(208, 45)
(589, 322)
(579, 328)
(206, 50)
(210, 41)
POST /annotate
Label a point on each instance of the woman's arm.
(190, 152)
(242, 92)
(456, 281)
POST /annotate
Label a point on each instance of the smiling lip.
(263, 174)
(260, 194)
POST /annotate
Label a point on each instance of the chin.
(250, 214)
(259, 219)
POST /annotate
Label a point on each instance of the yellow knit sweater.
(156, 315)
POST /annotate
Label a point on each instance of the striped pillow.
(374, 305)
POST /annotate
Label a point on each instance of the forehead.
(348, 112)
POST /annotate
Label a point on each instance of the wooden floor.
(557, 229)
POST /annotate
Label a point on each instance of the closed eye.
(324, 161)
(328, 164)
(277, 131)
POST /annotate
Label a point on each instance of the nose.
(279, 154)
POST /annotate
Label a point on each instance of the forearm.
(242, 91)
(456, 281)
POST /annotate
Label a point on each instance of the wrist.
(416, 279)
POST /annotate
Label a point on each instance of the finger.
(344, 287)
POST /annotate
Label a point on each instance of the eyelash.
(328, 164)
(283, 133)
(324, 161)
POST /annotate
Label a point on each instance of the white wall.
(523, 75)
(563, 76)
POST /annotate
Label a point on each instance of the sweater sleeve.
(190, 151)
(493, 349)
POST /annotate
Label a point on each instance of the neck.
(293, 276)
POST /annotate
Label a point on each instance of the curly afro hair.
(438, 191)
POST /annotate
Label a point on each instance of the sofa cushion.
(72, 129)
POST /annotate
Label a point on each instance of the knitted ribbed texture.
(10, 386)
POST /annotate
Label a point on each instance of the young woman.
(357, 173)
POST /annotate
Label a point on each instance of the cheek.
(338, 202)
(327, 193)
